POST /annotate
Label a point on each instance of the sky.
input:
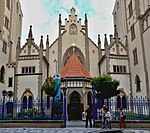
(43, 16)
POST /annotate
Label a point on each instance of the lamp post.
(64, 105)
(4, 93)
(93, 107)
(42, 109)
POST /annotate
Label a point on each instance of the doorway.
(75, 109)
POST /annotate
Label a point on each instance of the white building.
(10, 29)
(132, 18)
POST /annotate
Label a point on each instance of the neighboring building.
(132, 18)
(10, 30)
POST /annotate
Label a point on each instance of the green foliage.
(106, 87)
(49, 87)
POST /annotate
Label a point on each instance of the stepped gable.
(74, 69)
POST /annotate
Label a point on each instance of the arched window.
(27, 100)
(73, 29)
(77, 52)
(138, 83)
(2, 72)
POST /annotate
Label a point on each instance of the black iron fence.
(137, 108)
(17, 111)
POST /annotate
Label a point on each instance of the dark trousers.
(90, 121)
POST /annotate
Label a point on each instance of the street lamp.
(4, 93)
(93, 107)
(42, 109)
(64, 106)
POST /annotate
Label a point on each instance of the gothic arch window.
(138, 83)
(69, 53)
(73, 29)
(27, 100)
(2, 73)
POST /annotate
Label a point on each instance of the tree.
(49, 87)
(105, 86)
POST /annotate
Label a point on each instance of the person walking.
(108, 119)
(122, 118)
(102, 114)
(88, 113)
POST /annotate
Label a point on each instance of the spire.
(99, 41)
(115, 32)
(86, 18)
(30, 36)
(59, 18)
(47, 41)
(111, 38)
(105, 40)
(41, 42)
(47, 48)
(18, 43)
(99, 47)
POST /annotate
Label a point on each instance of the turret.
(105, 41)
(47, 48)
(99, 48)
(59, 45)
(87, 44)
(111, 38)
(41, 43)
(106, 53)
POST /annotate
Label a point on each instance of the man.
(88, 114)
(102, 114)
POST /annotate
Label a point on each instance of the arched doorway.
(75, 109)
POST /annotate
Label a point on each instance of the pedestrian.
(102, 114)
(122, 118)
(88, 114)
(108, 119)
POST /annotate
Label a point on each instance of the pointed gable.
(30, 48)
(74, 68)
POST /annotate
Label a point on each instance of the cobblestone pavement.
(67, 130)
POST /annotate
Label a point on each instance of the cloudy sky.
(43, 16)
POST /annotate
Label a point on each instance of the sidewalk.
(72, 127)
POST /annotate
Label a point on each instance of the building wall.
(5, 35)
(27, 81)
(16, 27)
(119, 14)
(139, 8)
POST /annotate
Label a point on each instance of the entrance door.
(75, 106)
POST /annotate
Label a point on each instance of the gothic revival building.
(75, 57)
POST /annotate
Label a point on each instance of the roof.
(74, 68)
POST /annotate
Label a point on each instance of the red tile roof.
(74, 68)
